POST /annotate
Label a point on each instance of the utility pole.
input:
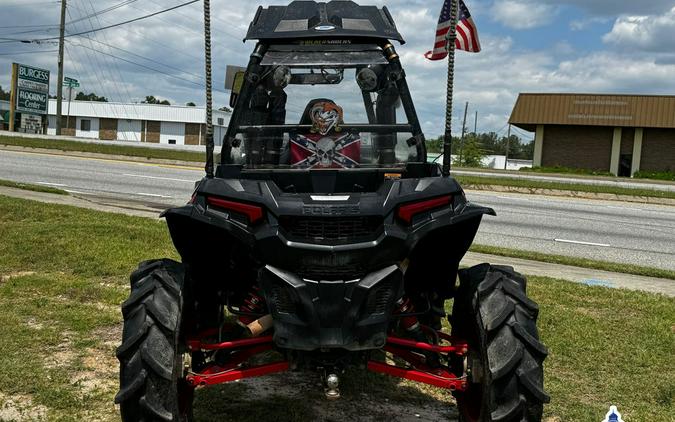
(59, 82)
(475, 124)
(12, 97)
(461, 149)
(508, 147)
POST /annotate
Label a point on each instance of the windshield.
(317, 117)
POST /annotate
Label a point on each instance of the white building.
(160, 124)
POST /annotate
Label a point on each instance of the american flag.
(467, 34)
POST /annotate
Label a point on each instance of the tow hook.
(331, 384)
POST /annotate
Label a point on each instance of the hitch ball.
(332, 387)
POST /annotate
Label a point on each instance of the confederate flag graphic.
(325, 151)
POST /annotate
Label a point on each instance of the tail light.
(254, 213)
(407, 212)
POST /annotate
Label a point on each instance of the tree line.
(478, 145)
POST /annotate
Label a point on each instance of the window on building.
(85, 125)
(172, 142)
(221, 121)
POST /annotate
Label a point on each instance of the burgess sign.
(32, 89)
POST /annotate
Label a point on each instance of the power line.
(143, 66)
(131, 30)
(107, 27)
(149, 59)
(28, 52)
(103, 11)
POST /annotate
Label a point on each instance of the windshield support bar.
(252, 78)
(397, 128)
(406, 98)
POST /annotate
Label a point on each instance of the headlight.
(282, 76)
(367, 79)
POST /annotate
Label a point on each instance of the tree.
(191, 104)
(4, 96)
(472, 152)
(81, 96)
(150, 99)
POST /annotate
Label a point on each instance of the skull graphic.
(325, 150)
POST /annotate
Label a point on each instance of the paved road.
(601, 230)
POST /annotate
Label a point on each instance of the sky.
(593, 46)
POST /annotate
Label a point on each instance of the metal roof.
(337, 19)
(150, 112)
(641, 111)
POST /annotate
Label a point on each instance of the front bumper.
(352, 315)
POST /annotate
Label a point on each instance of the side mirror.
(237, 85)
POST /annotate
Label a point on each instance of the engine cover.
(345, 314)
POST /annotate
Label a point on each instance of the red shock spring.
(408, 323)
(254, 303)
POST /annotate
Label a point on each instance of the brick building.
(153, 123)
(622, 134)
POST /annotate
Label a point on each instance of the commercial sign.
(32, 89)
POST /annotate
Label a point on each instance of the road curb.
(98, 156)
(581, 275)
(571, 194)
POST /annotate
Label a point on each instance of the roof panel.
(647, 111)
(338, 19)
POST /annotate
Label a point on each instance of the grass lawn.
(109, 149)
(469, 182)
(31, 187)
(64, 272)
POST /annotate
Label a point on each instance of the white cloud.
(616, 7)
(652, 33)
(522, 14)
(583, 23)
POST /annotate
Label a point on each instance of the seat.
(326, 145)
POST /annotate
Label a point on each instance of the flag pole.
(447, 140)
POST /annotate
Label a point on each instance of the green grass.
(107, 149)
(577, 262)
(663, 175)
(566, 170)
(64, 272)
(30, 187)
(652, 175)
(477, 182)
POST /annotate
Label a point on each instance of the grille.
(332, 229)
(282, 300)
(380, 298)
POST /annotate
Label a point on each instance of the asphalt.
(600, 230)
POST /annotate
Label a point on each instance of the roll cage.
(333, 37)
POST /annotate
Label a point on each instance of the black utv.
(326, 239)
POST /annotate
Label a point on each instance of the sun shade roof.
(339, 19)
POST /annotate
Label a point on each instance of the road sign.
(31, 90)
(71, 83)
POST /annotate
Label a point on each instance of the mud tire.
(493, 313)
(152, 387)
